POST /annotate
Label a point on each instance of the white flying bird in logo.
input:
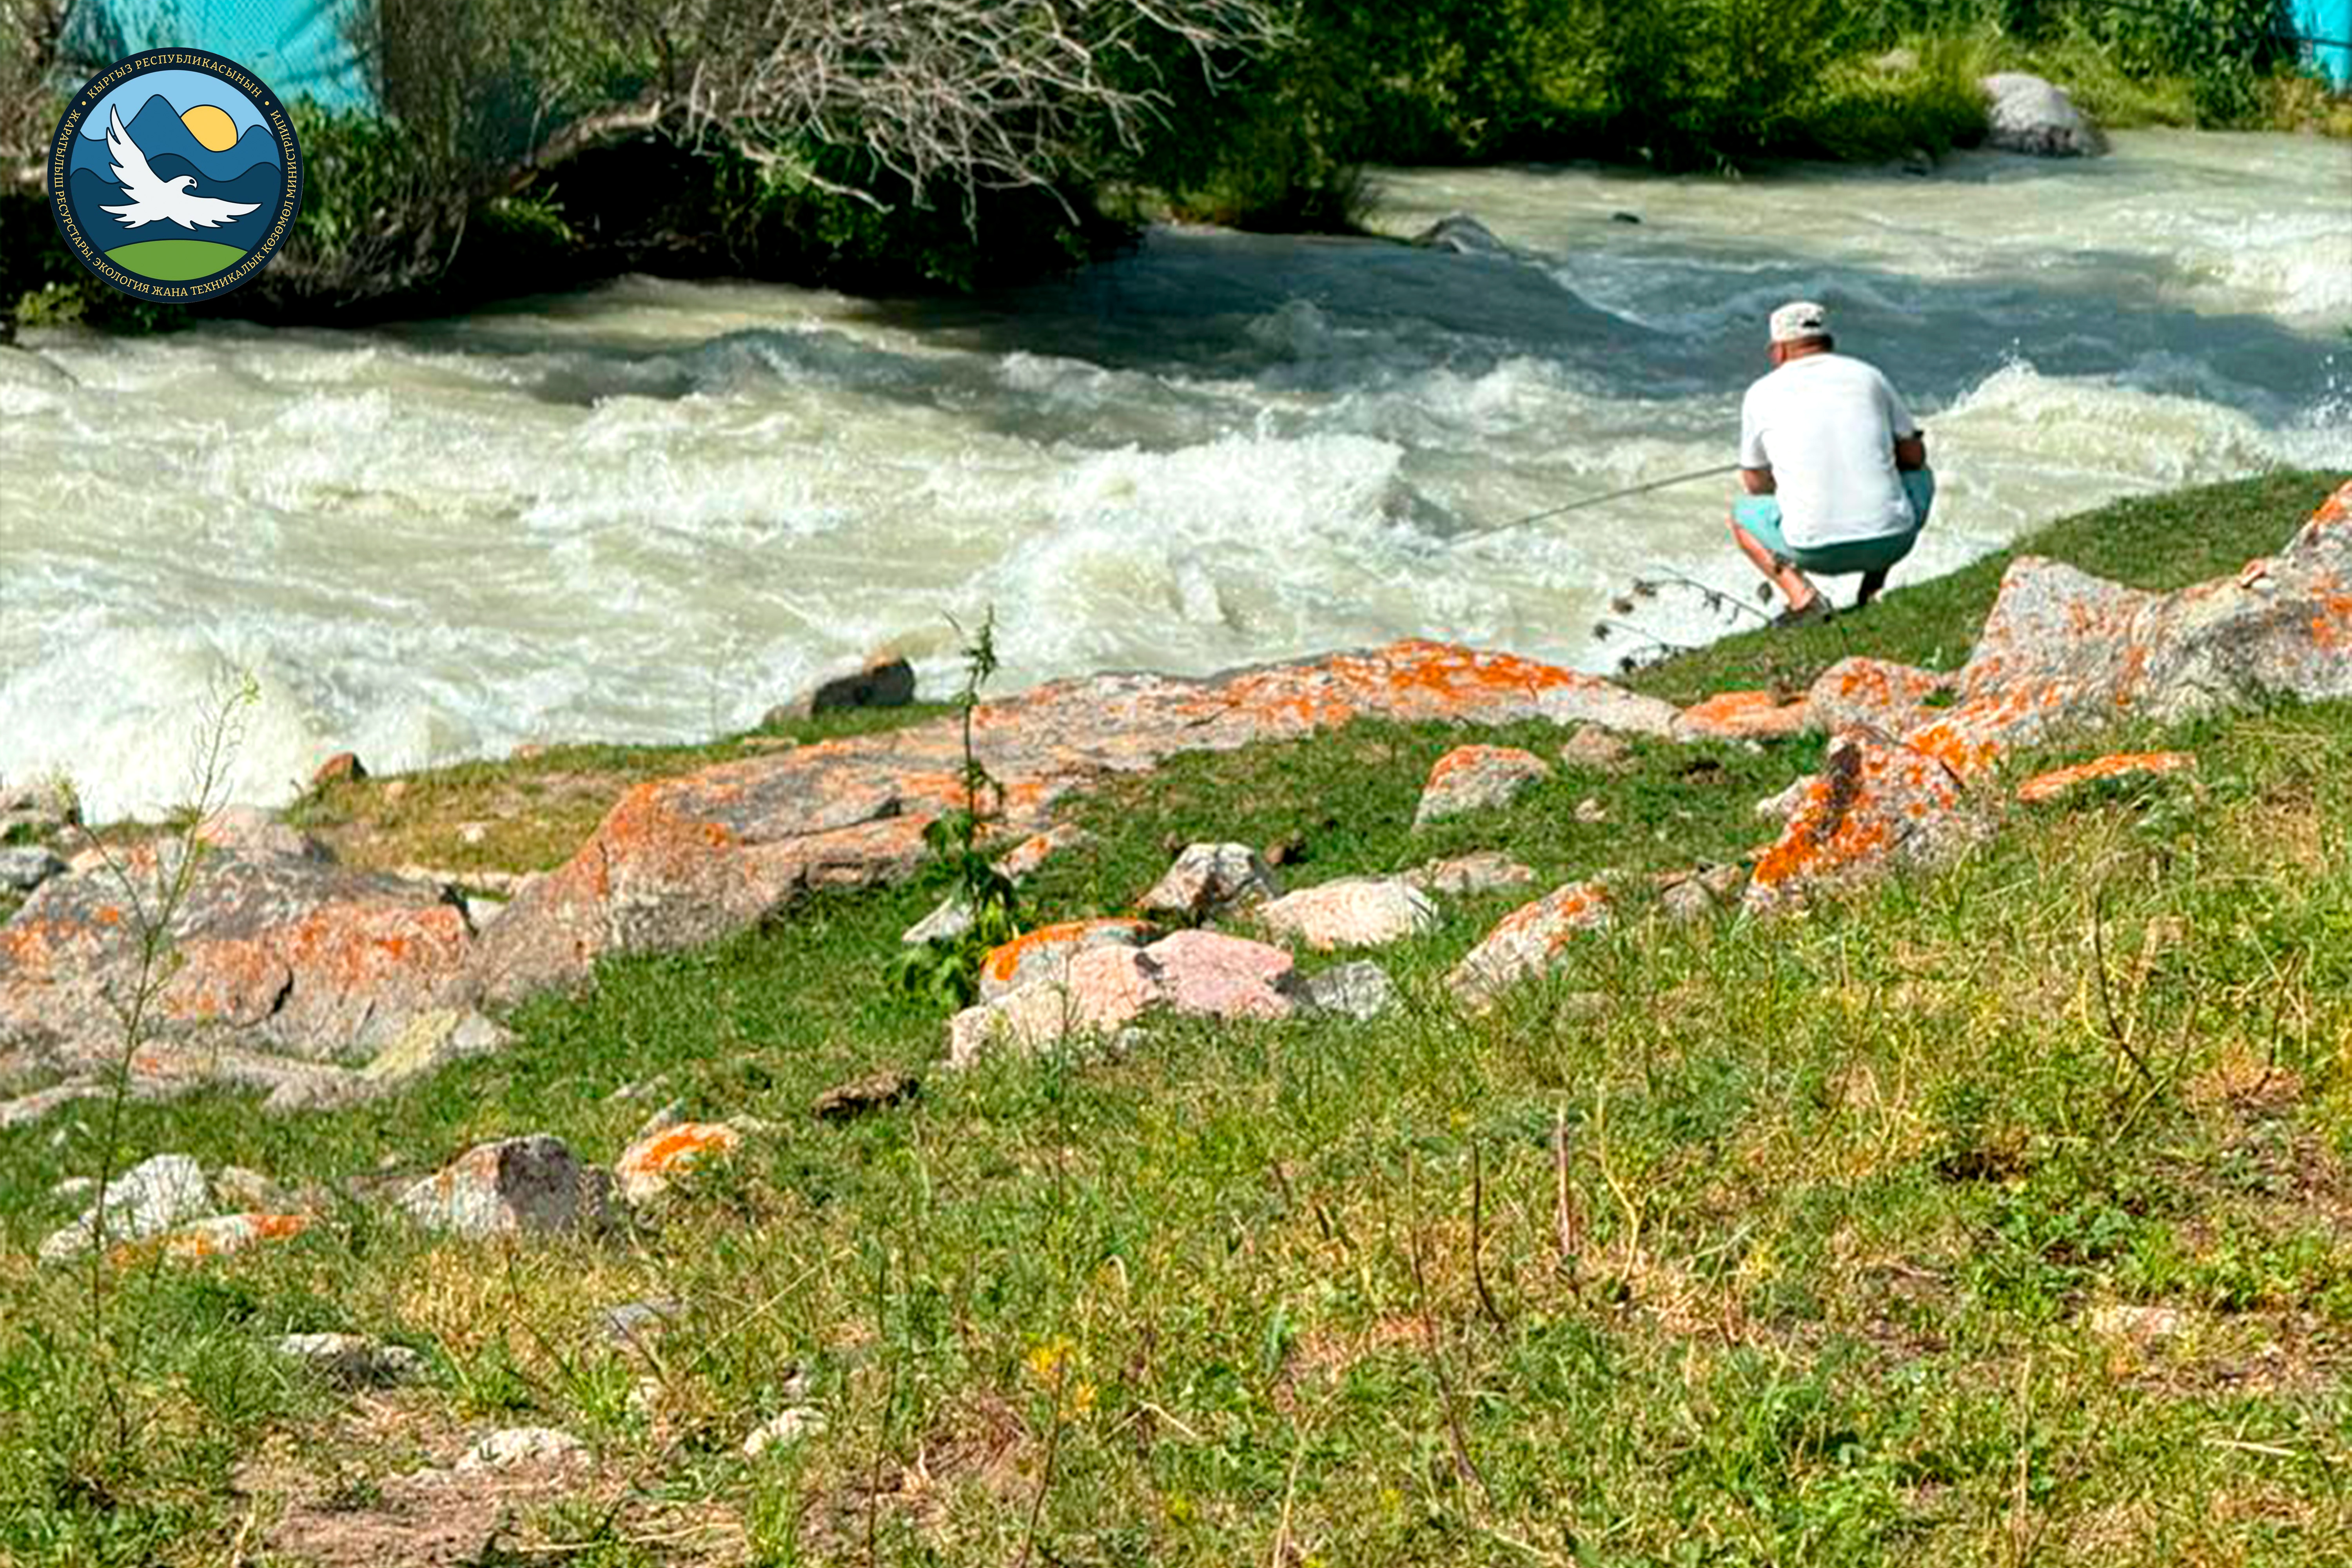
(161, 201)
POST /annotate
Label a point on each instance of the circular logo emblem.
(174, 175)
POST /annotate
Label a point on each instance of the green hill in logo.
(175, 261)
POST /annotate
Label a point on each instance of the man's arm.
(1911, 451)
(1757, 481)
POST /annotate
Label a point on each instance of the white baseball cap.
(1797, 320)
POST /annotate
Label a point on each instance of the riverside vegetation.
(563, 146)
(2001, 1213)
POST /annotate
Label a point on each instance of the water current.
(649, 511)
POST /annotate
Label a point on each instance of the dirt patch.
(384, 1488)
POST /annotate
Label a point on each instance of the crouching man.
(1834, 467)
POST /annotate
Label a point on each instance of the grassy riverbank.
(1880, 1247)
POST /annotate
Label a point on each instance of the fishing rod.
(1596, 500)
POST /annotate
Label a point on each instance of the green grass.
(175, 261)
(1846, 1192)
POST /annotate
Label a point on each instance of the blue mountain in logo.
(261, 185)
(159, 132)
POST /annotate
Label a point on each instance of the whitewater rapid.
(649, 511)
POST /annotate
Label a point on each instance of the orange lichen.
(677, 1146)
(2050, 785)
(1004, 961)
(1735, 715)
(1467, 759)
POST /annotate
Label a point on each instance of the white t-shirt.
(1826, 425)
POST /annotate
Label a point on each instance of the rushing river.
(650, 510)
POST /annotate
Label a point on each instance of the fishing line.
(1595, 500)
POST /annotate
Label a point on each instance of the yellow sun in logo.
(209, 126)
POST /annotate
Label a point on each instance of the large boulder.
(274, 947)
(1103, 990)
(2027, 114)
(687, 860)
(1207, 974)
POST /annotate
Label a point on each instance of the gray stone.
(513, 1187)
(885, 681)
(1460, 233)
(1361, 990)
(1211, 879)
(2028, 114)
(353, 1361)
(146, 1199)
(950, 920)
(26, 867)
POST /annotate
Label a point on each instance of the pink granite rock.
(1356, 911)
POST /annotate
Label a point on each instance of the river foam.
(649, 511)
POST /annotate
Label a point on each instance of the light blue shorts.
(1760, 515)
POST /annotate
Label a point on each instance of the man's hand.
(1756, 482)
(1911, 451)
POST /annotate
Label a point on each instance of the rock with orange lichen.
(1099, 991)
(220, 1235)
(1877, 803)
(647, 1166)
(2063, 650)
(1477, 778)
(1211, 879)
(1886, 696)
(1045, 953)
(1353, 911)
(2063, 781)
(511, 1187)
(1529, 941)
(274, 949)
(1102, 990)
(150, 1197)
(1743, 716)
(683, 861)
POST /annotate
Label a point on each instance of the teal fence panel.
(302, 47)
(2326, 25)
